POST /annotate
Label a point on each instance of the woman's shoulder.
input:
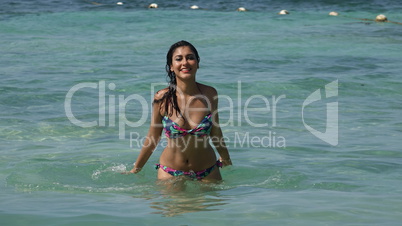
(161, 93)
(206, 89)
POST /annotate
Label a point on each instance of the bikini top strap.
(204, 97)
(198, 87)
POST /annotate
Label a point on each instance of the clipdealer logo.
(107, 107)
(330, 135)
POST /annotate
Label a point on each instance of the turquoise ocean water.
(101, 62)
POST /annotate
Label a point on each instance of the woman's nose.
(184, 61)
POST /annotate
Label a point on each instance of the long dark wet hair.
(170, 96)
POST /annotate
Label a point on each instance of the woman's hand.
(226, 162)
(135, 170)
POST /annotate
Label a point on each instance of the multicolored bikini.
(173, 131)
(195, 175)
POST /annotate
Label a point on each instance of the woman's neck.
(188, 88)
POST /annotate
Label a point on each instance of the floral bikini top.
(173, 130)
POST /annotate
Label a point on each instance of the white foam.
(115, 169)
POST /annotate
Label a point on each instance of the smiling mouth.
(185, 70)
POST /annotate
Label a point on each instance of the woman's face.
(184, 63)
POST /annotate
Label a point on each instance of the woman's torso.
(188, 146)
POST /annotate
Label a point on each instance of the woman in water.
(186, 111)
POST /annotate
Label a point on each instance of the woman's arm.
(152, 138)
(216, 133)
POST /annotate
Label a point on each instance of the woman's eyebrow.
(179, 55)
